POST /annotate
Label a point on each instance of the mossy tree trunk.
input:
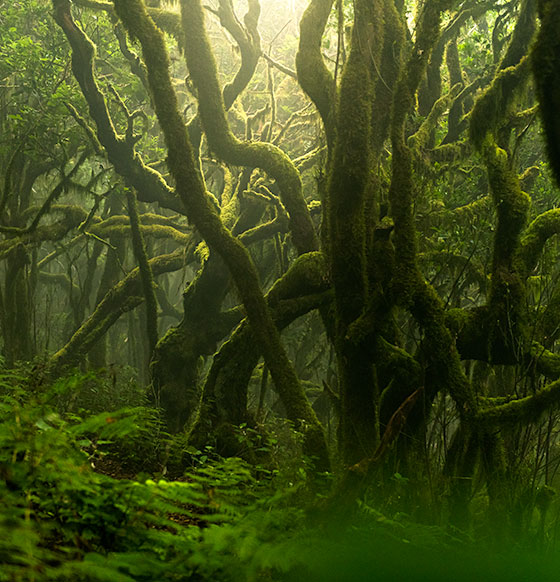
(379, 157)
(200, 210)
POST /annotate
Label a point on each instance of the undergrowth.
(89, 496)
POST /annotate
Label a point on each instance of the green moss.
(169, 22)
(535, 237)
(350, 175)
(492, 108)
(457, 319)
(420, 140)
(545, 361)
(124, 296)
(313, 76)
(522, 410)
(507, 328)
(307, 274)
(105, 229)
(546, 71)
(150, 184)
(203, 70)
(200, 209)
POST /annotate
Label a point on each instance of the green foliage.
(62, 519)
(92, 487)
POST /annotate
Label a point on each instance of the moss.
(522, 410)
(73, 216)
(512, 204)
(350, 176)
(444, 370)
(473, 210)
(123, 297)
(507, 330)
(388, 73)
(535, 237)
(528, 177)
(150, 185)
(544, 361)
(228, 190)
(169, 22)
(348, 186)
(420, 140)
(200, 209)
(492, 108)
(307, 274)
(146, 275)
(523, 34)
(271, 159)
(248, 41)
(313, 76)
(457, 319)
(230, 211)
(546, 71)
(107, 228)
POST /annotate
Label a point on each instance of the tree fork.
(271, 159)
(202, 213)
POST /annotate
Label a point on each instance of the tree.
(421, 240)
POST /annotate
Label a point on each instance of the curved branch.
(225, 145)
(303, 287)
(111, 228)
(545, 226)
(248, 41)
(545, 362)
(312, 73)
(522, 410)
(202, 212)
(123, 297)
(73, 216)
(168, 21)
(149, 184)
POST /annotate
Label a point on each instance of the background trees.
(375, 183)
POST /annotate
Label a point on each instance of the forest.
(279, 290)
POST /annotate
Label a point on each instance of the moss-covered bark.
(546, 71)
(248, 41)
(302, 288)
(179, 354)
(521, 410)
(313, 76)
(200, 209)
(410, 290)
(146, 276)
(123, 297)
(149, 184)
(348, 187)
(224, 144)
(489, 134)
